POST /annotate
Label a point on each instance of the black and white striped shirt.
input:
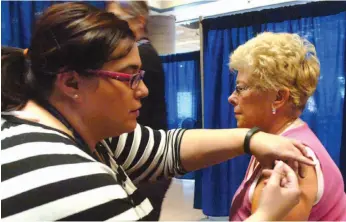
(45, 176)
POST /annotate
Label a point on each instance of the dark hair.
(68, 36)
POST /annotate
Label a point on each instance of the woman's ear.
(142, 20)
(68, 85)
(282, 97)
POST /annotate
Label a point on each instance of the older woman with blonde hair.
(277, 73)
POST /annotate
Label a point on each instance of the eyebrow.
(242, 82)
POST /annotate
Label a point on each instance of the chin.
(130, 126)
(241, 124)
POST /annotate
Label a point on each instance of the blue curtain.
(322, 23)
(183, 90)
(343, 146)
(18, 19)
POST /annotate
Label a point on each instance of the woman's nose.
(232, 99)
(141, 91)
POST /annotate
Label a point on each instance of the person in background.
(153, 111)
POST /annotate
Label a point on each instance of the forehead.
(123, 48)
(243, 77)
(126, 55)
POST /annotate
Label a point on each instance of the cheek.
(108, 108)
(248, 105)
(252, 110)
(112, 100)
(119, 96)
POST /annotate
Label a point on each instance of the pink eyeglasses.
(133, 79)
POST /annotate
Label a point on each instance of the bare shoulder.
(308, 186)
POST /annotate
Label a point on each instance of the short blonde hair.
(277, 60)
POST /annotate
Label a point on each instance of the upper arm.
(308, 186)
(148, 154)
(132, 150)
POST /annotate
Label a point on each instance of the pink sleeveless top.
(332, 203)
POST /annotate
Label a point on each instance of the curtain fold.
(323, 24)
(183, 92)
(343, 143)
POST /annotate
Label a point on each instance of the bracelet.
(248, 136)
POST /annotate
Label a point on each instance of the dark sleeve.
(153, 112)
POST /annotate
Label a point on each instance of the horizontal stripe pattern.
(46, 177)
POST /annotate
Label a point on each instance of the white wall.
(213, 8)
(162, 33)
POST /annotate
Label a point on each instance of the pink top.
(331, 205)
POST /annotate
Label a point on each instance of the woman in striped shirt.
(80, 82)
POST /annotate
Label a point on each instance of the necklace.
(287, 126)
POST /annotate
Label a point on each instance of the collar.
(143, 41)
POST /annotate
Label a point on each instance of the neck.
(36, 113)
(83, 127)
(141, 34)
(281, 124)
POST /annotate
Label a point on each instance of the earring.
(274, 111)
(75, 96)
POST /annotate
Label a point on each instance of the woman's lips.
(237, 115)
(135, 112)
